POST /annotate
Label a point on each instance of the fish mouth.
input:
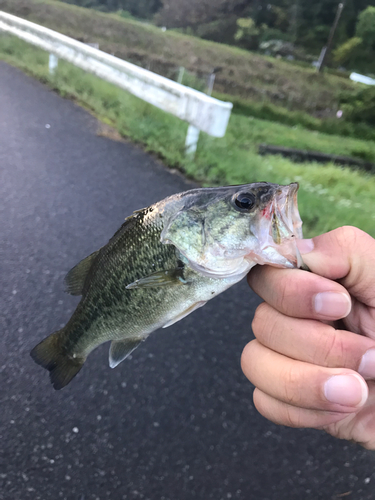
(280, 226)
(286, 222)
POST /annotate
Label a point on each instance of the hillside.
(244, 74)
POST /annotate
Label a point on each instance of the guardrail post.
(191, 141)
(181, 73)
(52, 63)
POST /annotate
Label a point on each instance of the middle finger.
(314, 342)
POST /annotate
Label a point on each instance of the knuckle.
(348, 235)
(291, 386)
(284, 292)
(254, 276)
(334, 349)
(258, 402)
(292, 417)
(289, 291)
(336, 429)
(265, 323)
(246, 358)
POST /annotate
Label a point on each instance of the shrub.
(360, 107)
(365, 28)
(346, 52)
(247, 34)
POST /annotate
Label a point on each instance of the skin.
(305, 340)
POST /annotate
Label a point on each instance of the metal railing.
(202, 112)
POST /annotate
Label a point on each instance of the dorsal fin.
(75, 279)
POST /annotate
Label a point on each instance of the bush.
(268, 34)
(247, 34)
(348, 51)
(222, 30)
(365, 28)
(360, 107)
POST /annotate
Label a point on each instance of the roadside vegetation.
(330, 196)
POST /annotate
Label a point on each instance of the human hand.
(313, 360)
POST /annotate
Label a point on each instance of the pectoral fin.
(160, 278)
(120, 349)
(185, 313)
(75, 279)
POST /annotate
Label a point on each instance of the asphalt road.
(174, 422)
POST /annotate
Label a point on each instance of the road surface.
(176, 421)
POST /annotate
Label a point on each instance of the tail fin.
(51, 354)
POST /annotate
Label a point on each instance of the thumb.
(347, 255)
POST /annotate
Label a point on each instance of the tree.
(345, 53)
(247, 33)
(138, 8)
(365, 28)
(182, 13)
(359, 52)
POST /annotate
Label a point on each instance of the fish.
(166, 261)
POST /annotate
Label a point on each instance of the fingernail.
(367, 366)
(305, 246)
(332, 305)
(346, 390)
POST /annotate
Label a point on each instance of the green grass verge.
(329, 196)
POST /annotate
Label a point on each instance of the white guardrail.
(201, 111)
(356, 77)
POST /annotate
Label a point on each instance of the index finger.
(300, 294)
(346, 254)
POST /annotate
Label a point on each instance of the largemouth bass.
(166, 261)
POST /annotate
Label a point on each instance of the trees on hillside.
(359, 51)
(365, 28)
(248, 23)
(138, 8)
(182, 13)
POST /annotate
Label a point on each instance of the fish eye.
(245, 201)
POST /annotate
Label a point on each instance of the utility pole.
(294, 21)
(325, 50)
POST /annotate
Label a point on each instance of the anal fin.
(120, 349)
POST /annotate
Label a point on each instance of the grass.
(244, 74)
(272, 112)
(329, 196)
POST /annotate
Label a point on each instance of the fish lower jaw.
(236, 271)
(271, 256)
